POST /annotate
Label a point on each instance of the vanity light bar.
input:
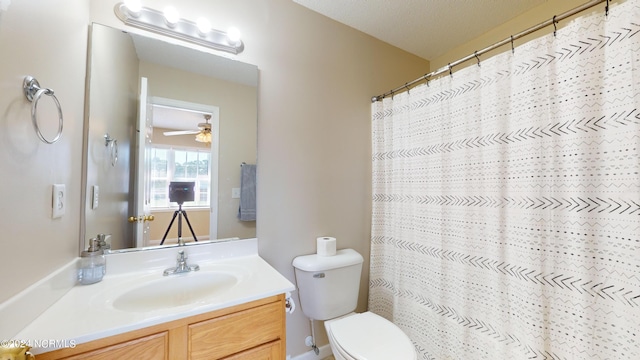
(154, 21)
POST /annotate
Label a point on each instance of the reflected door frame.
(144, 133)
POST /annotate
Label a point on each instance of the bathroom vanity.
(233, 307)
(255, 330)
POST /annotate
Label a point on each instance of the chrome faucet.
(181, 266)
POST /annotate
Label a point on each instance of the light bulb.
(133, 7)
(204, 137)
(233, 34)
(204, 26)
(171, 16)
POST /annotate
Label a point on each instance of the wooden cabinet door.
(230, 334)
(152, 347)
(270, 351)
(254, 330)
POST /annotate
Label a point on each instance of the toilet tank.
(328, 285)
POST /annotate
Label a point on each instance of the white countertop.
(87, 313)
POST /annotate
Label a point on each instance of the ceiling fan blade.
(180, 132)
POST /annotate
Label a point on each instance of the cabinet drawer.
(233, 333)
(270, 351)
(152, 347)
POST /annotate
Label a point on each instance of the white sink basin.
(175, 290)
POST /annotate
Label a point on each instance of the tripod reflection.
(179, 192)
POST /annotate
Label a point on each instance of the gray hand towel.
(247, 210)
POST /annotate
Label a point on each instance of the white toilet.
(328, 287)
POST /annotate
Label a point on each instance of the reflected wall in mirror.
(133, 150)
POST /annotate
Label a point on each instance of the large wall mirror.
(159, 115)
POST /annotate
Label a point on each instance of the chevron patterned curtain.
(506, 201)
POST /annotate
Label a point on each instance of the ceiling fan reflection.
(202, 135)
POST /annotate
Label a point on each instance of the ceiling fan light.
(204, 137)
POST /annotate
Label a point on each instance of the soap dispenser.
(92, 264)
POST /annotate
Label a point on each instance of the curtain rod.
(510, 39)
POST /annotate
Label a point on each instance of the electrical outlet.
(58, 201)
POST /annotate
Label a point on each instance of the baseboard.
(325, 351)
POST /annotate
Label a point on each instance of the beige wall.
(48, 41)
(314, 152)
(113, 110)
(316, 79)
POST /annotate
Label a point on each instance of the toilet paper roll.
(326, 246)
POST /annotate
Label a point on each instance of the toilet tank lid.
(314, 262)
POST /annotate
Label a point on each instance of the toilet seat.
(368, 336)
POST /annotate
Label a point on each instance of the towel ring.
(33, 93)
(112, 145)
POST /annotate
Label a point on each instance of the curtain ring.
(406, 86)
(555, 28)
(450, 72)
(606, 9)
(513, 49)
(426, 78)
(477, 57)
(33, 92)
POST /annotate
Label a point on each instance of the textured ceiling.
(426, 28)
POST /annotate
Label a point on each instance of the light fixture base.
(154, 21)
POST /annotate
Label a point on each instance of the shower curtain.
(506, 200)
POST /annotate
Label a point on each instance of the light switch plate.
(58, 201)
(235, 193)
(95, 196)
